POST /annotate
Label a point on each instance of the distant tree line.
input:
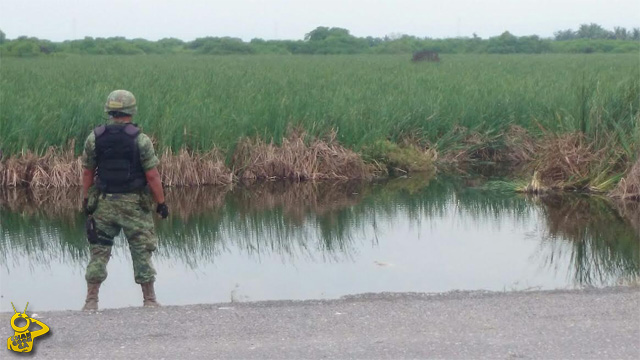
(589, 38)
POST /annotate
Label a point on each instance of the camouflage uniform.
(130, 212)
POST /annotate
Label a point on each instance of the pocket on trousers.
(151, 245)
(93, 198)
(145, 202)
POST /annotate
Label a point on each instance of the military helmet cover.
(122, 101)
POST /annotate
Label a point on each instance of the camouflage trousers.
(132, 214)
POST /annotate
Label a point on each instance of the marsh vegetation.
(573, 119)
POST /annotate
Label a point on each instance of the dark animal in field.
(425, 55)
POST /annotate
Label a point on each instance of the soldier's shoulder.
(144, 141)
(142, 137)
(91, 138)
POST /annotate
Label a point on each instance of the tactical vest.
(118, 159)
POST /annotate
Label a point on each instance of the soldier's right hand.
(163, 210)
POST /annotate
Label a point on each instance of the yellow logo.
(22, 340)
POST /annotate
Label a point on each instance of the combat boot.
(149, 295)
(91, 303)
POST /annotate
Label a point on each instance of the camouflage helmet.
(122, 101)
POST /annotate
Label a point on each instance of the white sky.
(59, 20)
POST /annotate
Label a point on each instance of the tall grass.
(204, 102)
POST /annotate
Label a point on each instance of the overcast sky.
(288, 19)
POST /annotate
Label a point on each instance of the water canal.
(280, 241)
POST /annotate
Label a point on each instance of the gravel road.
(580, 324)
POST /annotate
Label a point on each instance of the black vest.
(118, 158)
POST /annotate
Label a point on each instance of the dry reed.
(564, 162)
(190, 169)
(56, 168)
(629, 187)
(513, 146)
(252, 160)
(297, 161)
(519, 146)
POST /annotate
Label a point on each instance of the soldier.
(125, 164)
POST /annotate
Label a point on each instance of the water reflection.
(441, 233)
(604, 243)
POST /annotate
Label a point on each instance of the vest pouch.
(115, 171)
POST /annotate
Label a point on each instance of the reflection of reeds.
(603, 246)
(285, 218)
(270, 217)
(297, 199)
(295, 220)
(630, 211)
(41, 224)
(186, 202)
(51, 203)
(40, 238)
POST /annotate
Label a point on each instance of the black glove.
(163, 210)
(85, 206)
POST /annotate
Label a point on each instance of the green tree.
(324, 40)
(117, 46)
(322, 33)
(474, 45)
(3, 37)
(220, 46)
(171, 45)
(620, 33)
(22, 47)
(562, 35)
(593, 31)
(503, 44)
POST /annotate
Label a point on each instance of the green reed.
(201, 102)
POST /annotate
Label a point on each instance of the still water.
(322, 241)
